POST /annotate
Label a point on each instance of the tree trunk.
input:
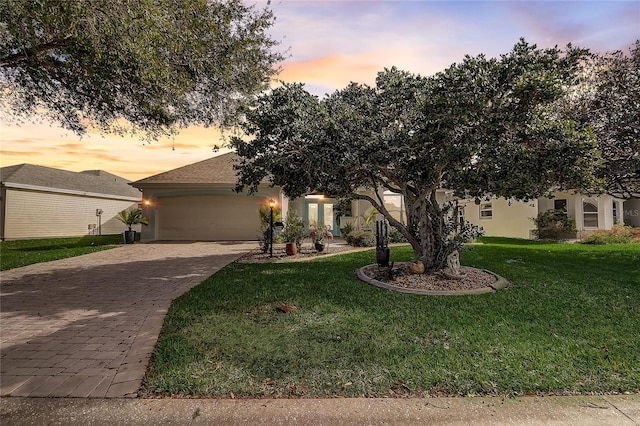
(424, 229)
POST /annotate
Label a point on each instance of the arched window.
(590, 214)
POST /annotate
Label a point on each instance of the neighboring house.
(198, 202)
(42, 202)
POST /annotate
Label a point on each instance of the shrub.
(346, 229)
(396, 236)
(554, 225)
(620, 234)
(361, 239)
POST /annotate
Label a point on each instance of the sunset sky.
(329, 44)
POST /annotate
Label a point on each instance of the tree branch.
(32, 53)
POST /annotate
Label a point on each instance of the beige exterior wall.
(575, 210)
(507, 219)
(296, 205)
(3, 197)
(35, 214)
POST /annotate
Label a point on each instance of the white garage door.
(209, 217)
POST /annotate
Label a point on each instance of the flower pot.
(319, 247)
(291, 249)
(129, 237)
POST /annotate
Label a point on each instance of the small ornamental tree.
(480, 127)
(554, 225)
(294, 229)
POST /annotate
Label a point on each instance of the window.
(590, 214)
(615, 212)
(560, 204)
(313, 214)
(461, 216)
(486, 211)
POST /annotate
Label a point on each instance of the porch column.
(619, 208)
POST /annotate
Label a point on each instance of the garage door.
(209, 217)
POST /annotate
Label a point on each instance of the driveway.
(86, 326)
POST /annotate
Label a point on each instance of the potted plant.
(318, 234)
(130, 218)
(293, 232)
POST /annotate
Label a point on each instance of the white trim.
(596, 214)
(486, 207)
(70, 191)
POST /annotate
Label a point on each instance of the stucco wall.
(575, 209)
(508, 219)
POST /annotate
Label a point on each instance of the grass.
(568, 324)
(14, 254)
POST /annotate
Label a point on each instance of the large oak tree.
(481, 127)
(607, 100)
(146, 66)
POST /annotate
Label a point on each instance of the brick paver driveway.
(86, 326)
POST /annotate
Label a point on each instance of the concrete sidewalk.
(86, 326)
(583, 411)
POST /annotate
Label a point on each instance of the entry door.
(321, 214)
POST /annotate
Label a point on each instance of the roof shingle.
(216, 170)
(93, 181)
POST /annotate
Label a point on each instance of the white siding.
(34, 214)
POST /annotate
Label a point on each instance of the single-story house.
(198, 202)
(43, 202)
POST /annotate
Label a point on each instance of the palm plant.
(132, 217)
(368, 217)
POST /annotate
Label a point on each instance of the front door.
(320, 213)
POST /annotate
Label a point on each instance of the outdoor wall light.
(148, 203)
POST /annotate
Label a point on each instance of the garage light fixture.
(147, 203)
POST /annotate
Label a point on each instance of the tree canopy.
(607, 100)
(158, 65)
(481, 127)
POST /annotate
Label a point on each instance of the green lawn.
(14, 254)
(568, 324)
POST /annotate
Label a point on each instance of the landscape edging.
(499, 284)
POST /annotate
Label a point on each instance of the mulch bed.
(279, 253)
(401, 276)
